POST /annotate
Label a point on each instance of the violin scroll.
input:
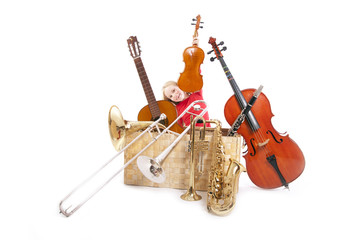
(197, 25)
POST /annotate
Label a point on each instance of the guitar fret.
(153, 106)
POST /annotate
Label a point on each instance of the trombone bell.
(151, 169)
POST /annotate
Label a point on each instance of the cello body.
(265, 145)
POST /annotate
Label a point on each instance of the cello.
(190, 79)
(272, 160)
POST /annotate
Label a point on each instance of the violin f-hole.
(281, 140)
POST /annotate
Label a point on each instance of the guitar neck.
(239, 97)
(153, 106)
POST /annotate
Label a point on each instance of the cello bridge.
(263, 143)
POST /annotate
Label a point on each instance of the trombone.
(119, 127)
(151, 168)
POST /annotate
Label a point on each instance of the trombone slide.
(65, 206)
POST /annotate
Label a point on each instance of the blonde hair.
(167, 84)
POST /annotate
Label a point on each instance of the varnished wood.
(191, 80)
(289, 156)
(165, 107)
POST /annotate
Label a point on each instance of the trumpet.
(151, 168)
(195, 145)
(119, 128)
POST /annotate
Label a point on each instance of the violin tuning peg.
(212, 59)
(221, 43)
(224, 49)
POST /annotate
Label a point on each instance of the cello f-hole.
(253, 147)
(281, 140)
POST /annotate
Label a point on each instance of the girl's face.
(174, 93)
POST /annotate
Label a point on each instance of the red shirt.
(180, 107)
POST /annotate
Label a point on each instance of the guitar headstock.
(216, 49)
(134, 47)
(197, 25)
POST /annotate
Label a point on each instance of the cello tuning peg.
(212, 59)
(210, 51)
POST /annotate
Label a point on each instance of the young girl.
(182, 100)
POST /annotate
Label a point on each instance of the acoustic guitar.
(153, 110)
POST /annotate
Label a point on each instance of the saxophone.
(223, 187)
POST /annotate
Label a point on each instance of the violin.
(272, 160)
(190, 79)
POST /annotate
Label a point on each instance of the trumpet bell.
(119, 128)
(151, 169)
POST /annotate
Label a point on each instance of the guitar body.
(165, 107)
(289, 157)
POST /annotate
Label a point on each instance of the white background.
(64, 63)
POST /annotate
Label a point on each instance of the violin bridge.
(263, 143)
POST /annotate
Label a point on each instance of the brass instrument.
(118, 128)
(223, 186)
(152, 167)
(195, 146)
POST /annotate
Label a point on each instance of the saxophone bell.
(223, 186)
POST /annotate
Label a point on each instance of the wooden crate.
(176, 165)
